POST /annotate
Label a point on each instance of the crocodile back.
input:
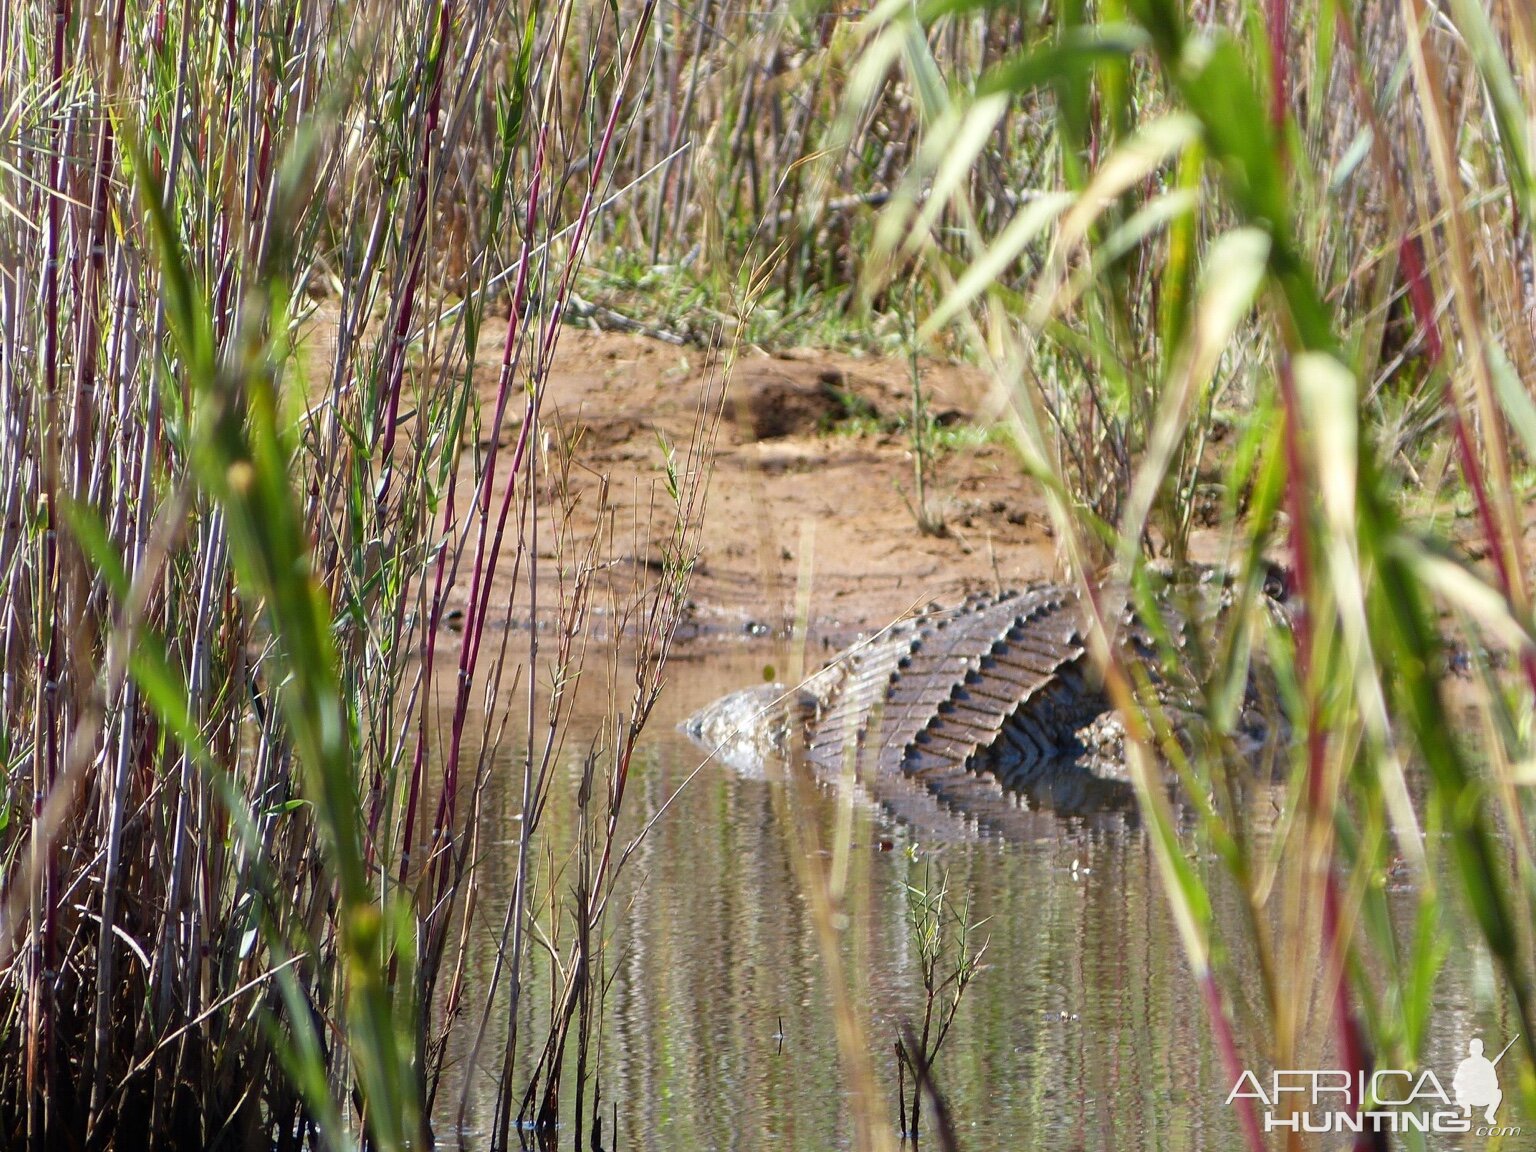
(925, 702)
(855, 687)
(988, 710)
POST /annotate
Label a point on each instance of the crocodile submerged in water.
(986, 710)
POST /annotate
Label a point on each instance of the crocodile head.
(751, 727)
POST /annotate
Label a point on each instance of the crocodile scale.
(983, 709)
(997, 683)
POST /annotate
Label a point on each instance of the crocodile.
(984, 710)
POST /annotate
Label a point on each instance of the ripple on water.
(1085, 1030)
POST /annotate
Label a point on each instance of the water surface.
(1085, 1030)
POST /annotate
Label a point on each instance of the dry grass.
(237, 889)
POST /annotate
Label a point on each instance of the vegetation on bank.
(1261, 270)
(1320, 212)
(244, 769)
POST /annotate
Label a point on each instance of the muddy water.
(1084, 1031)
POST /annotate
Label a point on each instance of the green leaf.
(90, 532)
(1027, 226)
(1071, 57)
(1216, 82)
(1503, 93)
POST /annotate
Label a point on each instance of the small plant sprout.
(948, 958)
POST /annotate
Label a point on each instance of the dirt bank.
(812, 474)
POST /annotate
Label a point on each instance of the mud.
(812, 484)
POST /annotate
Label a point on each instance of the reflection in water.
(1084, 1031)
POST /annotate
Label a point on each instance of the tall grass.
(1258, 280)
(250, 255)
(1281, 253)
(734, 169)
